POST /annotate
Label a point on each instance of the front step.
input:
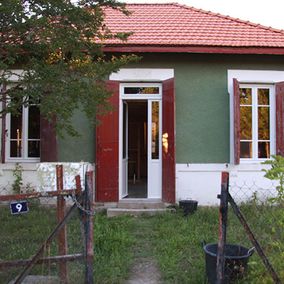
(113, 212)
(141, 204)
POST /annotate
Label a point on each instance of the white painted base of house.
(41, 176)
(202, 182)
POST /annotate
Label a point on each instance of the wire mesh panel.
(44, 237)
(265, 217)
(21, 236)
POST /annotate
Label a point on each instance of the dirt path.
(144, 269)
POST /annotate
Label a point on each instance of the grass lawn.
(173, 240)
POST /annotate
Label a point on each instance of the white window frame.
(261, 77)
(272, 121)
(24, 138)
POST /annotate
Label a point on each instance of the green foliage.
(18, 182)
(58, 45)
(276, 172)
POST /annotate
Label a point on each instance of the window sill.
(251, 161)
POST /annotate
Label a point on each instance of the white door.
(154, 149)
(152, 93)
(125, 150)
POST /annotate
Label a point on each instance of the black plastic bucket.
(188, 206)
(236, 260)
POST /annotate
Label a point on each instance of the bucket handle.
(251, 251)
(203, 243)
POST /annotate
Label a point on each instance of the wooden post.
(89, 230)
(62, 235)
(223, 215)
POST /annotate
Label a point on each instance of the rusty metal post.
(89, 230)
(223, 216)
(62, 236)
(254, 241)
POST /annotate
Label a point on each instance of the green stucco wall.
(77, 149)
(202, 105)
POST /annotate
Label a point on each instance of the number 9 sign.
(19, 207)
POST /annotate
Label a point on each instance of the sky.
(265, 12)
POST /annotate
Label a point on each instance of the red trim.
(195, 49)
(237, 144)
(169, 146)
(3, 134)
(107, 150)
(48, 141)
(280, 118)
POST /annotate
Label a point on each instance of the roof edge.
(194, 49)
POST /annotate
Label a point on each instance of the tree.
(58, 45)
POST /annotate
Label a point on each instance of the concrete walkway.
(144, 270)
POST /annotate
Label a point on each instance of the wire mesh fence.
(25, 231)
(265, 216)
(23, 234)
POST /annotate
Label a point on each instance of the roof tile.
(172, 24)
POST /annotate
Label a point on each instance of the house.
(206, 97)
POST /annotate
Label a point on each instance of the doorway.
(137, 149)
(140, 138)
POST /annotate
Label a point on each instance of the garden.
(172, 240)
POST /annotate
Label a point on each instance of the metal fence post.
(89, 230)
(62, 235)
(254, 241)
(223, 215)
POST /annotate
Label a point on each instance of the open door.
(107, 149)
(168, 141)
(124, 191)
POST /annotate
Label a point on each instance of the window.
(23, 134)
(257, 121)
(142, 90)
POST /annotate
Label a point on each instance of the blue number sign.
(19, 207)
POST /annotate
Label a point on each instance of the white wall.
(41, 176)
(202, 182)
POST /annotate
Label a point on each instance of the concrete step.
(113, 212)
(141, 204)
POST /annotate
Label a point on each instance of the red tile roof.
(175, 27)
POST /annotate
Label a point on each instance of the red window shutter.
(169, 146)
(48, 141)
(3, 134)
(280, 118)
(237, 130)
(107, 150)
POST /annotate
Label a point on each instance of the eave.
(193, 49)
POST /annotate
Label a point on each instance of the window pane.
(155, 130)
(33, 149)
(16, 126)
(263, 96)
(263, 149)
(16, 149)
(246, 150)
(245, 96)
(263, 123)
(141, 90)
(246, 123)
(34, 122)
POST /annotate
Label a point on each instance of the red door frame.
(107, 147)
(169, 146)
